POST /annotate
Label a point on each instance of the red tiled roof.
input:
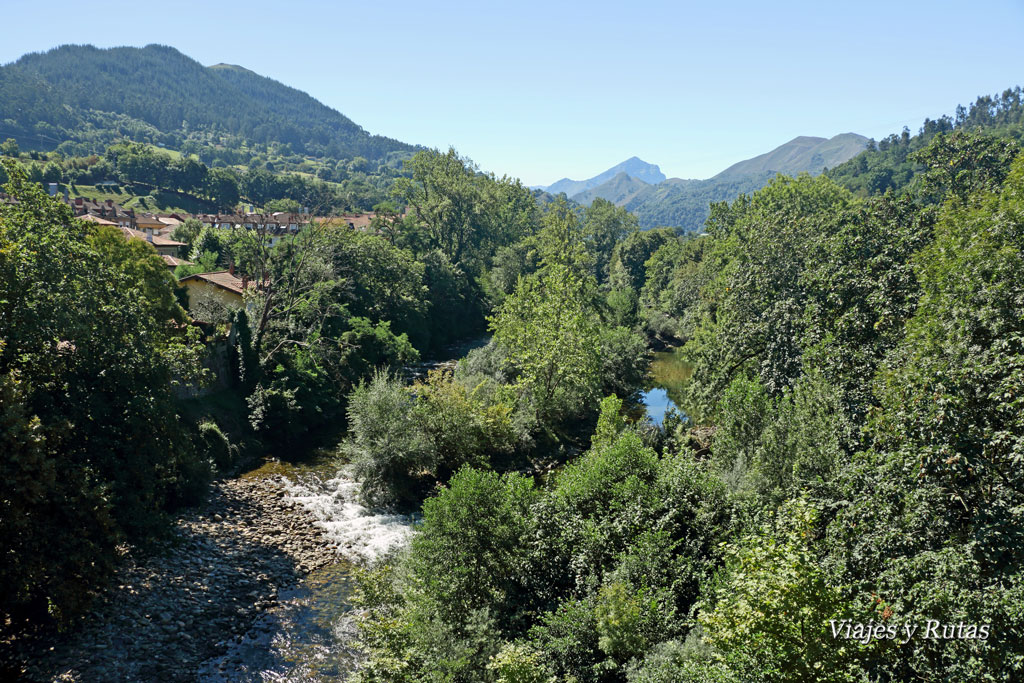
(96, 219)
(221, 278)
(157, 241)
(174, 262)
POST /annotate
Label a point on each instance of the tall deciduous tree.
(550, 327)
(604, 225)
(464, 213)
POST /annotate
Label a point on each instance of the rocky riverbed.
(168, 613)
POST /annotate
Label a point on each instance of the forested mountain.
(685, 203)
(634, 167)
(80, 98)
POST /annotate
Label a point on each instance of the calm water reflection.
(668, 374)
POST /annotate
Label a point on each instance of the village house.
(105, 209)
(173, 261)
(98, 221)
(148, 221)
(222, 286)
(219, 221)
(163, 245)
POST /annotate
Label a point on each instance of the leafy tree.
(9, 148)
(632, 252)
(88, 337)
(604, 226)
(187, 231)
(464, 213)
(405, 438)
(773, 603)
(960, 164)
(548, 327)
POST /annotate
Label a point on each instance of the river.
(664, 388)
(308, 636)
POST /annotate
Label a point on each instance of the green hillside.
(79, 99)
(686, 203)
(893, 163)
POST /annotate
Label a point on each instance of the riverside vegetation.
(851, 449)
(860, 362)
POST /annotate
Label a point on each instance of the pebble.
(225, 565)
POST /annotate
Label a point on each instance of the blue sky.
(543, 90)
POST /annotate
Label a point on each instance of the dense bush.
(580, 578)
(403, 439)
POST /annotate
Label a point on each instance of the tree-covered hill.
(893, 162)
(620, 190)
(686, 203)
(83, 98)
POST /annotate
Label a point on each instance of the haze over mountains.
(643, 189)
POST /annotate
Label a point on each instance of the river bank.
(225, 565)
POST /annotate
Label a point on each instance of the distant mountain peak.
(684, 203)
(634, 167)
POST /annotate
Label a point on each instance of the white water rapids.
(309, 635)
(362, 535)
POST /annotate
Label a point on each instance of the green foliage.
(960, 164)
(140, 262)
(403, 439)
(675, 662)
(482, 517)
(604, 226)
(90, 336)
(780, 447)
(752, 318)
(774, 603)
(549, 329)
(518, 663)
(897, 162)
(630, 255)
(187, 231)
(620, 617)
(465, 214)
(575, 577)
(444, 608)
(206, 263)
(551, 336)
(387, 449)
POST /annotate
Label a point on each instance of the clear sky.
(543, 90)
